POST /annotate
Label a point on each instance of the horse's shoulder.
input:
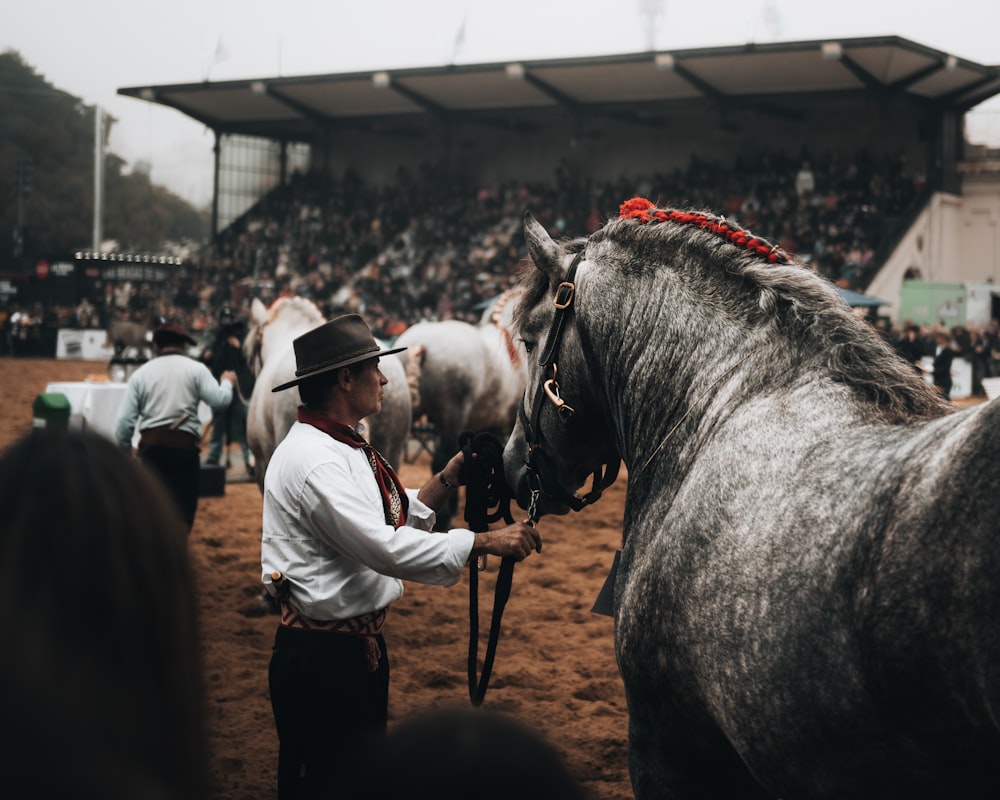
(974, 438)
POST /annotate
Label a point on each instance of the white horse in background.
(269, 352)
(465, 377)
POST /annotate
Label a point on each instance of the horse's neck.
(660, 392)
(279, 335)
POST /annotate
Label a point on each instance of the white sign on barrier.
(83, 345)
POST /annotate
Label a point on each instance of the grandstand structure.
(631, 115)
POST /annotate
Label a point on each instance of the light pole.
(98, 177)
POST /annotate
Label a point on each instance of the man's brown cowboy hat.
(339, 343)
(171, 333)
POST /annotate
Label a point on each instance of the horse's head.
(561, 436)
(276, 326)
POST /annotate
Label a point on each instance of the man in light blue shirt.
(162, 397)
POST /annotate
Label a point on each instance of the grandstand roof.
(296, 108)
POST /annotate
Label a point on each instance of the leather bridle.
(548, 389)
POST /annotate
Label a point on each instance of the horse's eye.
(528, 346)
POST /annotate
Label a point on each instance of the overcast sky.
(91, 48)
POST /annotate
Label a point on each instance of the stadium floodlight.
(950, 63)
(147, 94)
(664, 61)
(381, 80)
(258, 87)
(515, 72)
(832, 51)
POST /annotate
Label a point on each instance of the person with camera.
(229, 424)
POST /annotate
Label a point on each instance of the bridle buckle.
(563, 297)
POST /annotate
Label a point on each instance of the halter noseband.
(549, 389)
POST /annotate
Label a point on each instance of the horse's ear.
(258, 311)
(544, 252)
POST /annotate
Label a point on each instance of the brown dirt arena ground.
(555, 667)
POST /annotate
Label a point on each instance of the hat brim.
(338, 365)
(166, 339)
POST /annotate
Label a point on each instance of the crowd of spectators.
(433, 244)
(980, 346)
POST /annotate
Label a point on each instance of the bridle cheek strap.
(548, 387)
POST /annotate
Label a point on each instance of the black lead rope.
(487, 499)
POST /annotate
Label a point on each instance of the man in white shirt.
(339, 535)
(162, 396)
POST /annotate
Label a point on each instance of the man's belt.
(168, 437)
(365, 627)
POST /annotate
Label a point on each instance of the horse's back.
(504, 381)
(927, 605)
(873, 589)
(942, 552)
(448, 339)
(452, 374)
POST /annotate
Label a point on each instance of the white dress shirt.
(324, 530)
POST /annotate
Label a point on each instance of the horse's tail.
(414, 368)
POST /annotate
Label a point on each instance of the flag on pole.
(220, 54)
(459, 38)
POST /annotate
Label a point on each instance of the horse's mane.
(778, 293)
(302, 305)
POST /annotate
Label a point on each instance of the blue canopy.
(858, 300)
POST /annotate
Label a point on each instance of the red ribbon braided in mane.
(643, 210)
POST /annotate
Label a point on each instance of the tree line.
(47, 180)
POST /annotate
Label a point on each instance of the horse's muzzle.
(525, 486)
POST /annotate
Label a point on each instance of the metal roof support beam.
(953, 97)
(919, 75)
(702, 86)
(415, 97)
(974, 100)
(308, 112)
(863, 75)
(205, 120)
(551, 91)
(728, 103)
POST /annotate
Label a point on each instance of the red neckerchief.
(394, 499)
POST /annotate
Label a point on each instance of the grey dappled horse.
(270, 354)
(807, 602)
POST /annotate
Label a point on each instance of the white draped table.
(94, 405)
